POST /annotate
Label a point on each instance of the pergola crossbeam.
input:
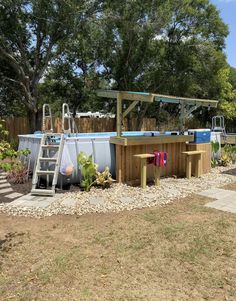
(185, 100)
(130, 108)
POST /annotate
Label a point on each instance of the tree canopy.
(62, 51)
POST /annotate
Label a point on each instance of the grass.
(183, 251)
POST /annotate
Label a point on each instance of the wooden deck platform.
(228, 139)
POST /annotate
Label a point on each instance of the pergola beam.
(185, 100)
(126, 95)
(188, 105)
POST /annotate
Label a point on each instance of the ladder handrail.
(47, 115)
(221, 126)
(66, 115)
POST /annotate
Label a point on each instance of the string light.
(209, 107)
(179, 106)
(161, 103)
(138, 108)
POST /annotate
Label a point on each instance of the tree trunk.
(35, 121)
(32, 120)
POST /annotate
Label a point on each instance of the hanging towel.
(160, 158)
(165, 158)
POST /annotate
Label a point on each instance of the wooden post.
(198, 171)
(143, 172)
(188, 167)
(157, 175)
(119, 115)
(181, 117)
(119, 163)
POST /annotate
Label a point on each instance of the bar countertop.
(145, 140)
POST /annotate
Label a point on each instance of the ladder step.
(45, 172)
(48, 192)
(48, 159)
(51, 146)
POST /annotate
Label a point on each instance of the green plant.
(88, 169)
(224, 160)
(104, 178)
(3, 133)
(230, 151)
(233, 154)
(214, 163)
(9, 155)
(18, 173)
(215, 146)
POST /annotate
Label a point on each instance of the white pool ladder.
(218, 124)
(47, 115)
(48, 164)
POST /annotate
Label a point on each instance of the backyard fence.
(20, 125)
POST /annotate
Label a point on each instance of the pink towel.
(160, 158)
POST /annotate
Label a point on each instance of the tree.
(169, 47)
(32, 35)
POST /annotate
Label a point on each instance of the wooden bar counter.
(128, 167)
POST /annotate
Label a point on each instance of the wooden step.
(48, 159)
(45, 172)
(50, 146)
(48, 192)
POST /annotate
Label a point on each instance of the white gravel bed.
(122, 197)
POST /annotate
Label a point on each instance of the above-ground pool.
(95, 144)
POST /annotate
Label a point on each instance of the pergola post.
(119, 115)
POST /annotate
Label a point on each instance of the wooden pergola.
(187, 105)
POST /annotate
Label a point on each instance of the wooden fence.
(20, 125)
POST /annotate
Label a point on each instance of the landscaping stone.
(3, 173)
(6, 190)
(3, 185)
(123, 197)
(96, 201)
(69, 202)
(126, 200)
(16, 203)
(217, 193)
(28, 197)
(3, 181)
(2, 177)
(39, 202)
(13, 195)
(225, 199)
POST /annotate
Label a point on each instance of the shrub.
(88, 170)
(8, 155)
(90, 174)
(104, 178)
(18, 173)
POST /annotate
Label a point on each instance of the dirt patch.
(182, 251)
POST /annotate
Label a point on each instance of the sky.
(227, 10)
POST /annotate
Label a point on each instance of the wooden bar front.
(128, 167)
